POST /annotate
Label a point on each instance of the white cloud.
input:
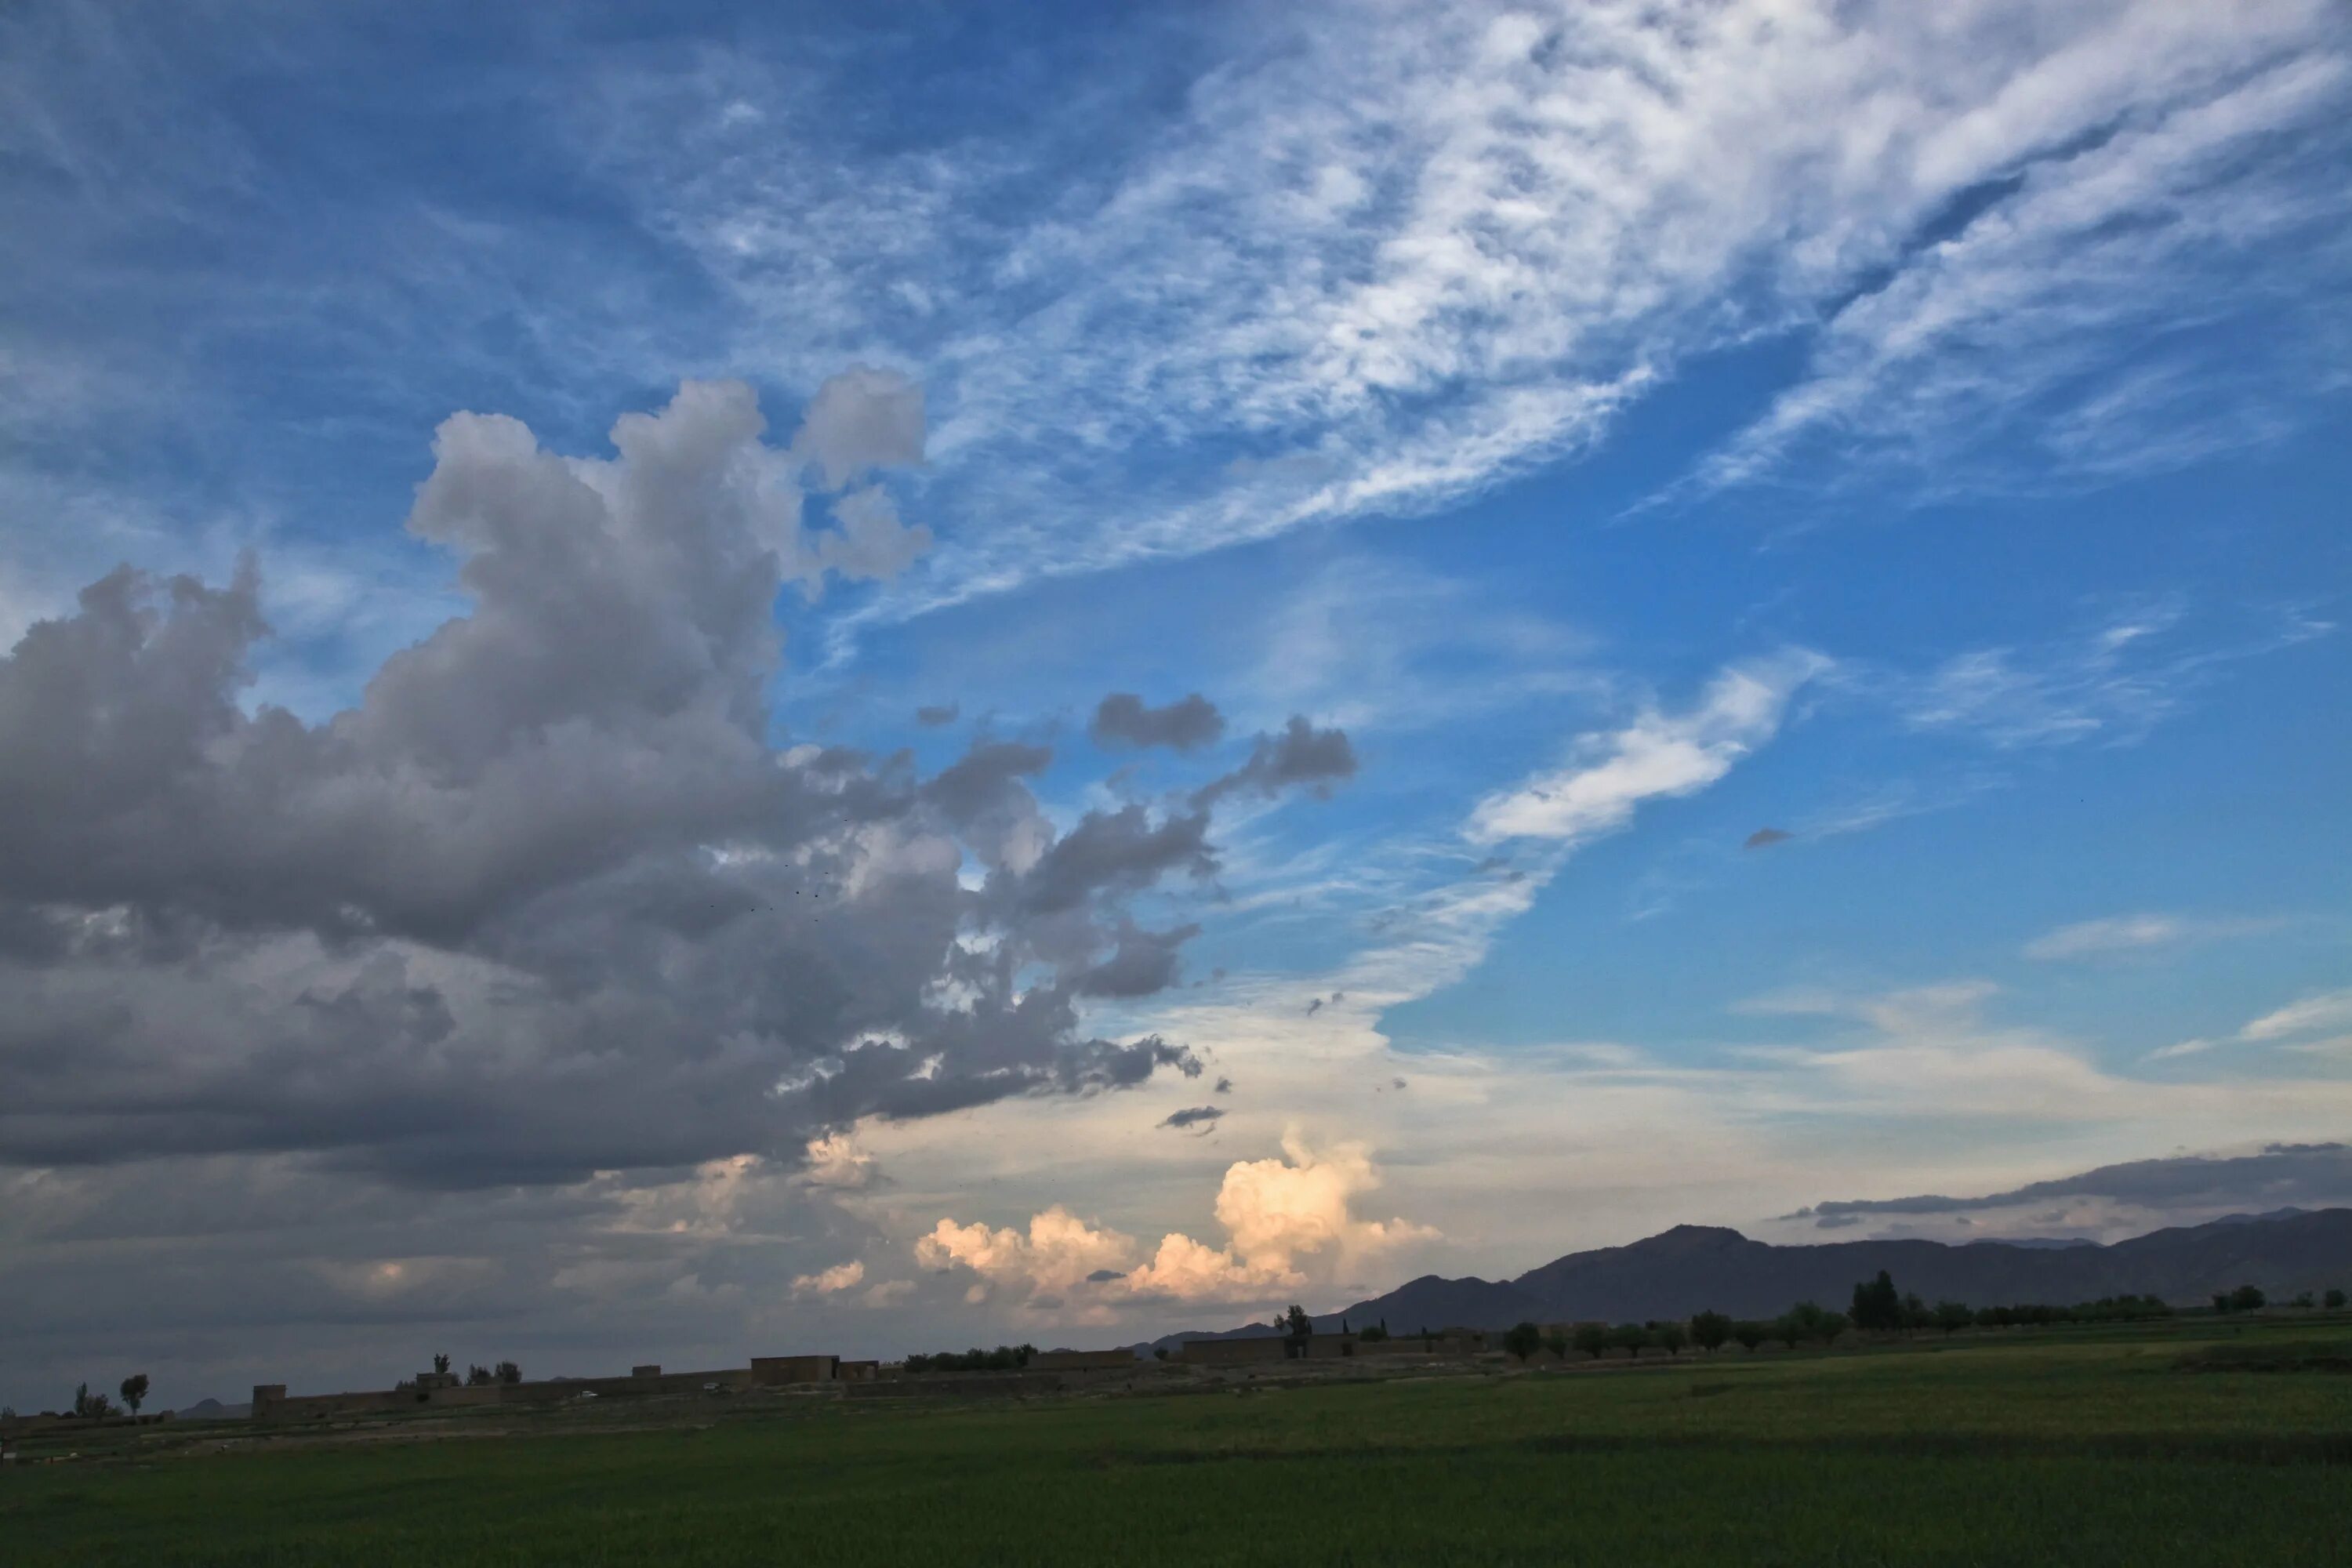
(1280, 1215)
(1658, 754)
(830, 1281)
(2331, 1010)
(2131, 933)
(1381, 257)
(836, 1160)
(2109, 685)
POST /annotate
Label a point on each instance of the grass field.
(2100, 1448)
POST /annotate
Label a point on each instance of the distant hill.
(212, 1410)
(1694, 1268)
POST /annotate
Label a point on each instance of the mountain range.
(1696, 1268)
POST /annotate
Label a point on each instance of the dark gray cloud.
(939, 716)
(1198, 1116)
(1143, 962)
(1104, 1276)
(1223, 1086)
(1300, 754)
(1117, 852)
(2282, 1176)
(1765, 837)
(1123, 720)
(550, 900)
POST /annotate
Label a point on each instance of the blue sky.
(1919, 434)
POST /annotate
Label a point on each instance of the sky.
(745, 680)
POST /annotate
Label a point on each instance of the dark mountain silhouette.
(212, 1410)
(1694, 1268)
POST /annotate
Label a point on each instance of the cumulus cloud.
(830, 1281)
(1281, 1217)
(871, 544)
(862, 418)
(1659, 754)
(1123, 720)
(549, 900)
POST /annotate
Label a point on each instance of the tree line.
(1003, 1358)
(476, 1375)
(1877, 1307)
(93, 1404)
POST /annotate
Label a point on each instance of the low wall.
(1233, 1353)
(771, 1369)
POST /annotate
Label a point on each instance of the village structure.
(1044, 1371)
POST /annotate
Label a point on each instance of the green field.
(2097, 1447)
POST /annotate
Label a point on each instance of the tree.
(1556, 1343)
(1749, 1334)
(1877, 1306)
(1159, 1352)
(2302, 1300)
(1807, 1321)
(1630, 1337)
(92, 1407)
(1296, 1327)
(508, 1371)
(1591, 1338)
(2246, 1297)
(134, 1391)
(441, 1365)
(2334, 1300)
(1671, 1338)
(1373, 1334)
(1523, 1341)
(1951, 1315)
(1709, 1329)
(477, 1376)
